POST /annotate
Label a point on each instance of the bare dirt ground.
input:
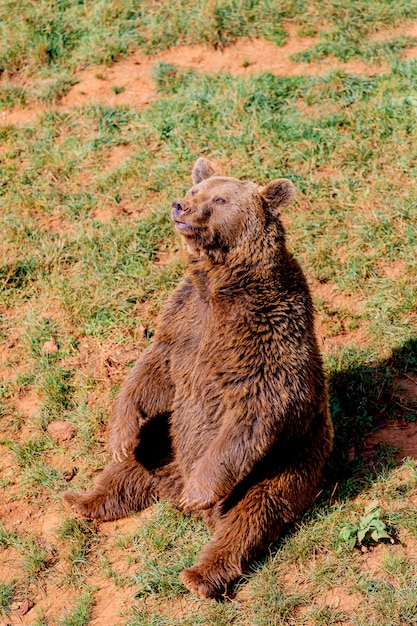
(133, 76)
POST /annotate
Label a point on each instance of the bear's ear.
(202, 169)
(278, 193)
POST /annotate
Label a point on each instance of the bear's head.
(219, 214)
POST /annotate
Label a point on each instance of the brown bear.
(226, 413)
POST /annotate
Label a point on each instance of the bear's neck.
(235, 274)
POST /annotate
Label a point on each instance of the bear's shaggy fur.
(226, 412)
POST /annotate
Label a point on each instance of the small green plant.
(6, 597)
(80, 536)
(81, 613)
(36, 558)
(117, 89)
(109, 572)
(370, 528)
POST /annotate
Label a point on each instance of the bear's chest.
(211, 344)
(213, 353)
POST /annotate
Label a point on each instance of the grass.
(166, 546)
(6, 597)
(80, 537)
(80, 293)
(45, 36)
(81, 614)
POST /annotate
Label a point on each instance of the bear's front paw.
(197, 496)
(122, 441)
(200, 584)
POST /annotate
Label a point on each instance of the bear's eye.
(193, 192)
(220, 200)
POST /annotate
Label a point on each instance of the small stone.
(90, 399)
(50, 347)
(70, 473)
(26, 606)
(142, 330)
(61, 431)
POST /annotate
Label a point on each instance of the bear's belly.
(216, 355)
(196, 423)
(200, 401)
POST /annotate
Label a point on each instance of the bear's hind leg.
(244, 530)
(240, 536)
(120, 489)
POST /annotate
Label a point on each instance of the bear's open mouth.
(185, 227)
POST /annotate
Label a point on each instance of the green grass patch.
(6, 597)
(48, 37)
(166, 545)
(80, 536)
(80, 615)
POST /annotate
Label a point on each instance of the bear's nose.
(177, 209)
